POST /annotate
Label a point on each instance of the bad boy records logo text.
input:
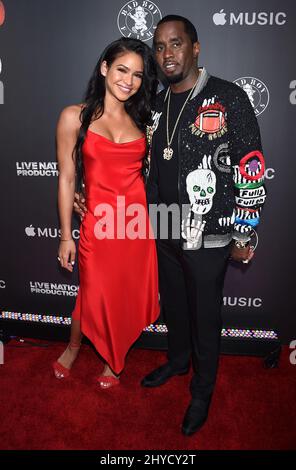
(257, 92)
(210, 120)
(138, 19)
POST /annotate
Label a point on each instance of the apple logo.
(219, 18)
(2, 13)
(30, 231)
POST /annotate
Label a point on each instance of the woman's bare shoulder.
(70, 117)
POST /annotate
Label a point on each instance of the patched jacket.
(220, 165)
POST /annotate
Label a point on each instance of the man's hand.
(79, 205)
(241, 254)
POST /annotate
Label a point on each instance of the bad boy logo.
(257, 92)
(210, 120)
(138, 19)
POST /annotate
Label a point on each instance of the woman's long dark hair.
(138, 106)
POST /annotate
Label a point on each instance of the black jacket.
(220, 164)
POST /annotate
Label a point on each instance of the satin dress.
(118, 288)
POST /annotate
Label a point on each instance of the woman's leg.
(108, 372)
(69, 355)
(108, 378)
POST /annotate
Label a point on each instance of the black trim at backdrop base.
(269, 349)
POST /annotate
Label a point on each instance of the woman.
(118, 293)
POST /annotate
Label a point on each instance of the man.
(205, 151)
(206, 158)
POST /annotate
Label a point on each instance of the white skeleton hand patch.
(192, 229)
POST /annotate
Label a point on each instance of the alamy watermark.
(131, 220)
(293, 353)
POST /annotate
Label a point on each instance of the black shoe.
(161, 375)
(195, 416)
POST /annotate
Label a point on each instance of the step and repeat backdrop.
(48, 50)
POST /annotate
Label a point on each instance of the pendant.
(168, 153)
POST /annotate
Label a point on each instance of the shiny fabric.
(118, 293)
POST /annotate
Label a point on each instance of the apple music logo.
(47, 232)
(242, 302)
(261, 18)
(30, 231)
(220, 18)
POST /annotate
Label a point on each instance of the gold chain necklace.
(168, 151)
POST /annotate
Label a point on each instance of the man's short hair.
(189, 28)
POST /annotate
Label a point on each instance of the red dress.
(118, 292)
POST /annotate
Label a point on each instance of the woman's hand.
(79, 205)
(67, 252)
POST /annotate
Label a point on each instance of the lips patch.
(210, 120)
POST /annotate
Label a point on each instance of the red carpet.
(253, 408)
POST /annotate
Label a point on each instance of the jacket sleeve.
(152, 192)
(248, 165)
(152, 180)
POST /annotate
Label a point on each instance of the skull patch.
(201, 188)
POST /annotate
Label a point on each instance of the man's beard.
(175, 78)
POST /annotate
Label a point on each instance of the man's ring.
(59, 259)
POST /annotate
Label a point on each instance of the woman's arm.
(67, 130)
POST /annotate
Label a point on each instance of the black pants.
(191, 292)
